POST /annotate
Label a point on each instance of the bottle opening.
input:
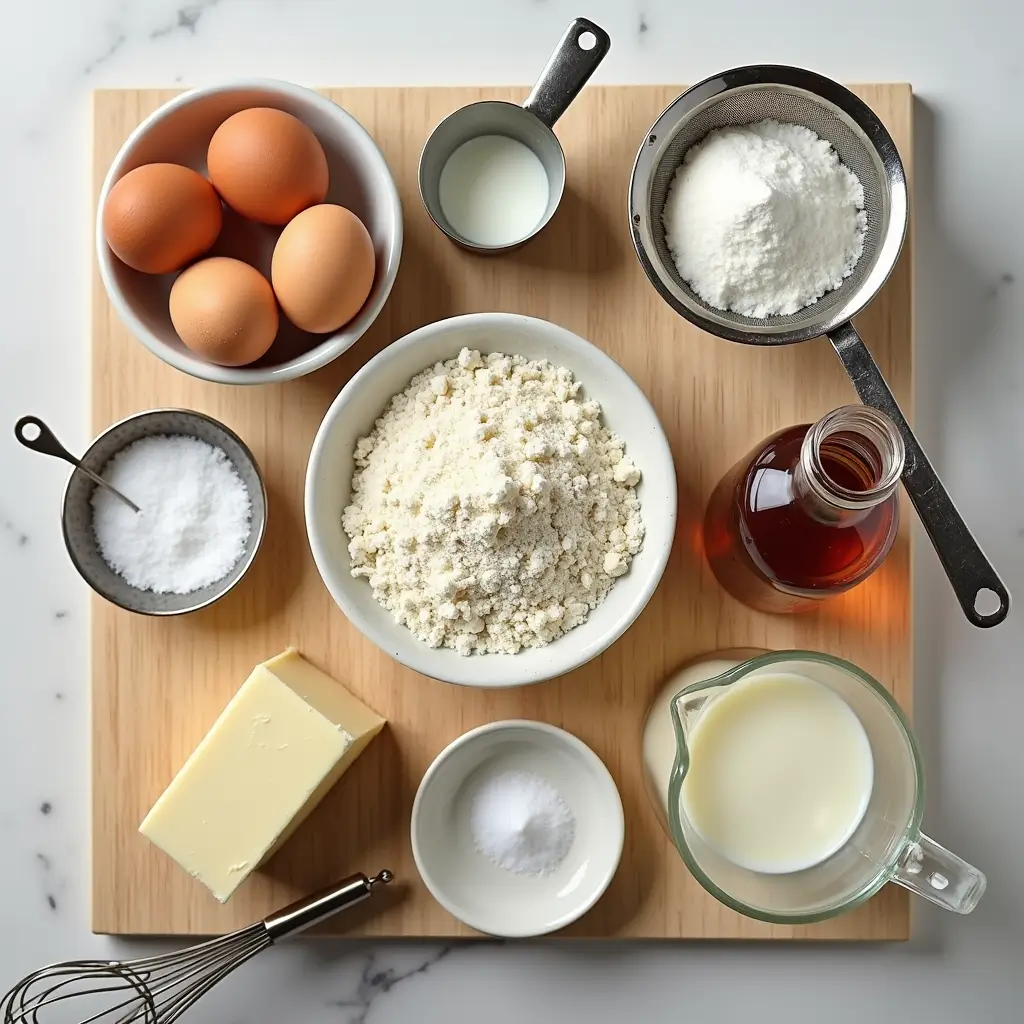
(851, 462)
(853, 457)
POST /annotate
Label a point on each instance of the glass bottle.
(810, 513)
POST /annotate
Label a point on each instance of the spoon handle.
(969, 571)
(45, 442)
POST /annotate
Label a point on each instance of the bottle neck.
(850, 462)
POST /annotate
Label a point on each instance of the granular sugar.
(195, 519)
(491, 509)
(764, 219)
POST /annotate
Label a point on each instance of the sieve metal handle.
(969, 571)
(568, 70)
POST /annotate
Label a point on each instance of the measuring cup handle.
(45, 441)
(567, 71)
(940, 876)
(969, 571)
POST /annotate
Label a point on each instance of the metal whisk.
(159, 989)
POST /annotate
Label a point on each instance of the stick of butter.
(282, 742)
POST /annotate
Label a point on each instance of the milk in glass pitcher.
(792, 786)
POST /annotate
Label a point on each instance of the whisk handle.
(313, 909)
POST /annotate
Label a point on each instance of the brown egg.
(224, 310)
(159, 217)
(267, 165)
(323, 268)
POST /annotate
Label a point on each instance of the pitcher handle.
(938, 875)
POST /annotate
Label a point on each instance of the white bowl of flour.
(635, 569)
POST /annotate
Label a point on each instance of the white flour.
(764, 219)
(491, 509)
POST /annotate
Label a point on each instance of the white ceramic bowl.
(477, 891)
(351, 416)
(180, 132)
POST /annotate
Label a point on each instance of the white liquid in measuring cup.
(659, 740)
(493, 190)
(780, 773)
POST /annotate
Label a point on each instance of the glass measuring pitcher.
(886, 846)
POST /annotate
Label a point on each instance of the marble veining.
(1005, 280)
(185, 19)
(376, 980)
(116, 42)
(44, 865)
(13, 532)
(969, 703)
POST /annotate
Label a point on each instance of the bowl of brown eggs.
(249, 233)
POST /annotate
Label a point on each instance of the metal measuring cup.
(750, 94)
(574, 60)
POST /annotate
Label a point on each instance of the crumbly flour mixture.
(491, 508)
(764, 219)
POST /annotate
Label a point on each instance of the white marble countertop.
(966, 65)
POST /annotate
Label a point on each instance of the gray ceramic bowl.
(77, 509)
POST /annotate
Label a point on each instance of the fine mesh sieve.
(745, 96)
(751, 94)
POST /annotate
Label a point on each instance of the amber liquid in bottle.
(809, 513)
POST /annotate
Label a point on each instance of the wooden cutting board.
(158, 684)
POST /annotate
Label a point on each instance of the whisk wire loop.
(159, 989)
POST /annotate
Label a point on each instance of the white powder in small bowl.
(521, 823)
(196, 514)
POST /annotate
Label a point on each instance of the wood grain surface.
(158, 684)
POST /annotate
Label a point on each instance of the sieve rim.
(821, 90)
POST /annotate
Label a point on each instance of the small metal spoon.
(46, 443)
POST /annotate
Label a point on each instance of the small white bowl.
(351, 416)
(180, 132)
(478, 892)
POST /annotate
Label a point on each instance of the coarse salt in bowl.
(77, 510)
(180, 132)
(195, 514)
(625, 411)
